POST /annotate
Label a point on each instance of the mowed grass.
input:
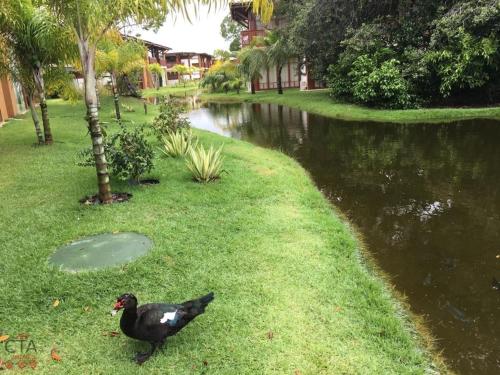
(292, 295)
(319, 102)
(191, 88)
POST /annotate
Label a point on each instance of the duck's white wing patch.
(168, 316)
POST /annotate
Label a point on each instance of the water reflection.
(425, 197)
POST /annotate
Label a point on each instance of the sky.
(201, 35)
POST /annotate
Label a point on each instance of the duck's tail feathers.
(197, 306)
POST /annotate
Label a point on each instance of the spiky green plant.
(205, 165)
(177, 143)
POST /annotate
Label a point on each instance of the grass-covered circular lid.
(100, 251)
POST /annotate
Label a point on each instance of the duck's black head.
(125, 301)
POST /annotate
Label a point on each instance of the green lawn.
(319, 102)
(264, 239)
(191, 88)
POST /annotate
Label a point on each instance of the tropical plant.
(278, 54)
(253, 59)
(116, 57)
(33, 41)
(183, 71)
(177, 143)
(156, 70)
(205, 165)
(169, 119)
(60, 83)
(220, 75)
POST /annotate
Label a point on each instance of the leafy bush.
(170, 119)
(204, 165)
(368, 72)
(128, 153)
(379, 85)
(223, 75)
(177, 143)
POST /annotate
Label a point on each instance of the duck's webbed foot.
(140, 358)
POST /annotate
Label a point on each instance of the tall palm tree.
(33, 38)
(116, 57)
(90, 20)
(10, 67)
(278, 54)
(253, 59)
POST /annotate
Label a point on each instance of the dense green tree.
(444, 51)
(230, 31)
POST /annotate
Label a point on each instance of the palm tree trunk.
(116, 98)
(278, 82)
(34, 116)
(87, 54)
(40, 86)
(97, 96)
(252, 87)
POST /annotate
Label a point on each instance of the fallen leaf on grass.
(205, 362)
(23, 336)
(270, 335)
(338, 309)
(54, 355)
(111, 334)
(4, 338)
(297, 372)
(56, 303)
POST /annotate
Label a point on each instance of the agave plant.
(177, 143)
(205, 165)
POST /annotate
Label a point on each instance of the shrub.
(177, 143)
(381, 85)
(128, 153)
(170, 119)
(204, 165)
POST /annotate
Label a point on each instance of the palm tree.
(90, 20)
(252, 60)
(278, 54)
(156, 70)
(118, 57)
(9, 66)
(182, 71)
(34, 41)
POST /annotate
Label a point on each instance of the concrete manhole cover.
(101, 251)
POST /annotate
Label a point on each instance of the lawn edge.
(353, 112)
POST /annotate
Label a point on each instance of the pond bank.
(320, 103)
(292, 293)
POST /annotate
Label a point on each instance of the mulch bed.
(94, 199)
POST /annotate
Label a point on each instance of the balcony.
(246, 37)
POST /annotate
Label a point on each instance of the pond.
(426, 199)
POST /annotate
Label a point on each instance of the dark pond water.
(426, 199)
